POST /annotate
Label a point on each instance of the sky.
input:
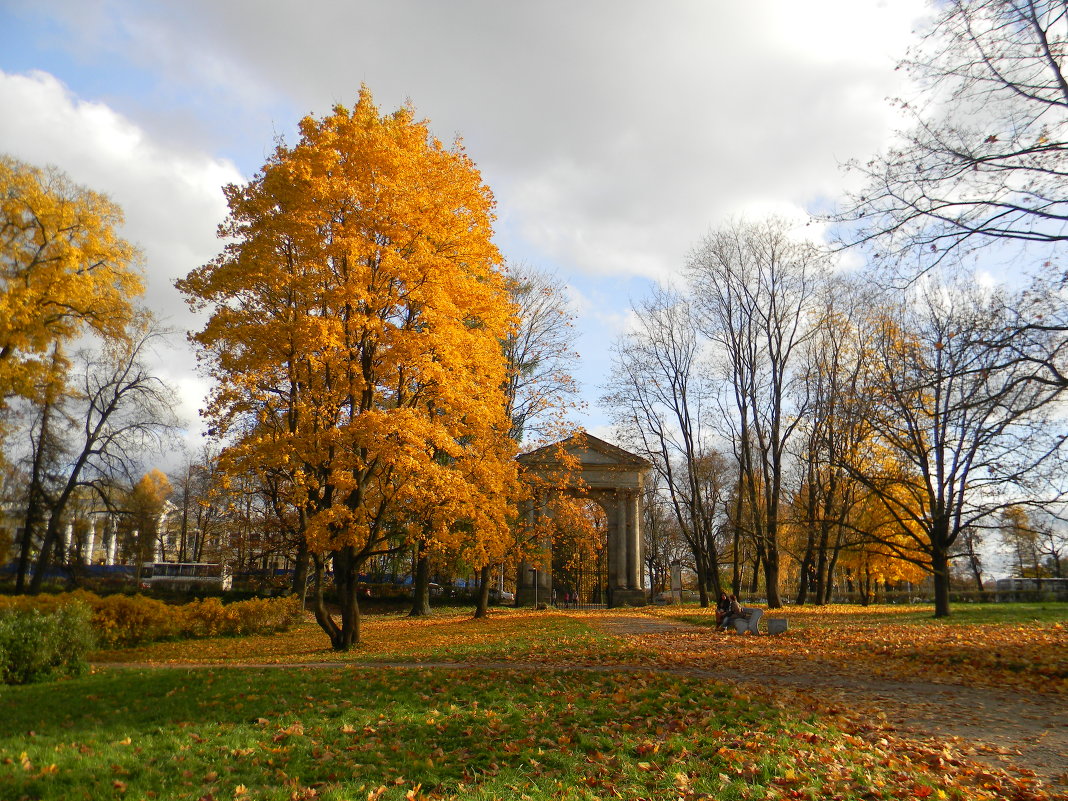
(613, 133)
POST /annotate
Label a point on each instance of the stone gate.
(612, 478)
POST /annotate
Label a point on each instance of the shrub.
(123, 620)
(208, 618)
(38, 645)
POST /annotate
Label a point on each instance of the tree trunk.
(832, 565)
(421, 584)
(977, 573)
(484, 578)
(806, 570)
(342, 637)
(702, 578)
(35, 500)
(32, 519)
(758, 561)
(51, 540)
(322, 616)
(771, 578)
(736, 550)
(345, 578)
(940, 567)
(823, 577)
(300, 569)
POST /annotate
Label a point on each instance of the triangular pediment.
(589, 450)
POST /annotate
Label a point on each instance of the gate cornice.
(599, 464)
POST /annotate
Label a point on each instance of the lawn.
(353, 732)
(449, 635)
(559, 710)
(1024, 646)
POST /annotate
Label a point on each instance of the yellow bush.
(121, 620)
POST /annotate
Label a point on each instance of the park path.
(1000, 728)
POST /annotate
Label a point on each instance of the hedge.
(122, 620)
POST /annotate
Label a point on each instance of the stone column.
(629, 590)
(634, 549)
(111, 542)
(89, 544)
(68, 538)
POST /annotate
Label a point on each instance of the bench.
(749, 622)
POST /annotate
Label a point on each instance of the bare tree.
(659, 400)
(46, 452)
(754, 287)
(662, 544)
(196, 489)
(834, 427)
(957, 433)
(1036, 542)
(540, 354)
(986, 157)
(123, 410)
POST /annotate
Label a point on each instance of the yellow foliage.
(63, 270)
(121, 620)
(357, 316)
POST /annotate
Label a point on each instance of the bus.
(186, 576)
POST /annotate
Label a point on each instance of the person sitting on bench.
(734, 612)
(723, 607)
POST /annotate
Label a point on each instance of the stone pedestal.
(628, 598)
(776, 625)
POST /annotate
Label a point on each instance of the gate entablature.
(613, 478)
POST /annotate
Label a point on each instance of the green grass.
(290, 733)
(1009, 613)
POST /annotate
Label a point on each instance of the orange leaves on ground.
(851, 641)
(862, 640)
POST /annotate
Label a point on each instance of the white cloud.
(172, 199)
(617, 131)
(614, 133)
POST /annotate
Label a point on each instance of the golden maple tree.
(63, 270)
(357, 315)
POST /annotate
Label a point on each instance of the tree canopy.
(357, 316)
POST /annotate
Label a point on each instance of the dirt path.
(999, 728)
